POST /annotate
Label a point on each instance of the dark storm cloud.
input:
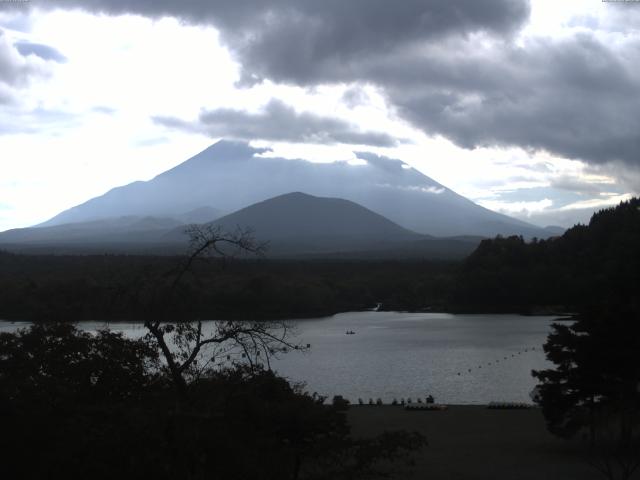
(450, 68)
(310, 41)
(573, 97)
(278, 122)
(627, 177)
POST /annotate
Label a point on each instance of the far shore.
(474, 442)
(562, 316)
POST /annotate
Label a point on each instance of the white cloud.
(521, 209)
(357, 162)
(606, 200)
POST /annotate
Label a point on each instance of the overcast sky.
(528, 108)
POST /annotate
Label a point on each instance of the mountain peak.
(226, 149)
(295, 196)
(230, 175)
(307, 222)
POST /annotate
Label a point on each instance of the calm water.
(458, 359)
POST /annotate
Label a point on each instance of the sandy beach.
(473, 442)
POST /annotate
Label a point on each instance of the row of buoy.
(429, 400)
(428, 407)
(520, 352)
(509, 406)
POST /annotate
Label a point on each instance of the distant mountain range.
(292, 225)
(381, 205)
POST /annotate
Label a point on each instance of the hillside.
(130, 233)
(588, 264)
(301, 223)
(136, 229)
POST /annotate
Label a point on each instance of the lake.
(459, 359)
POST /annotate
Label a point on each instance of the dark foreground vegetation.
(73, 405)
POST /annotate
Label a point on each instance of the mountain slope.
(301, 223)
(232, 175)
(300, 215)
(293, 225)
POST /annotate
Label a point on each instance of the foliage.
(595, 366)
(182, 341)
(71, 402)
(57, 366)
(76, 405)
(122, 287)
(584, 267)
(595, 385)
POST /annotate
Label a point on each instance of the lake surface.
(459, 359)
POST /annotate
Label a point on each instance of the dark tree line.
(586, 266)
(594, 388)
(117, 287)
(587, 263)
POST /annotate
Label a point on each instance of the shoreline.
(562, 316)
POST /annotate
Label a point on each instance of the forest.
(117, 287)
(585, 267)
(504, 274)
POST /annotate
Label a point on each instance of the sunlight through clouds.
(523, 209)
(493, 123)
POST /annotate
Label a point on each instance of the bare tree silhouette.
(188, 347)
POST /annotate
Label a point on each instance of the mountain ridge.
(232, 175)
(294, 225)
(297, 222)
